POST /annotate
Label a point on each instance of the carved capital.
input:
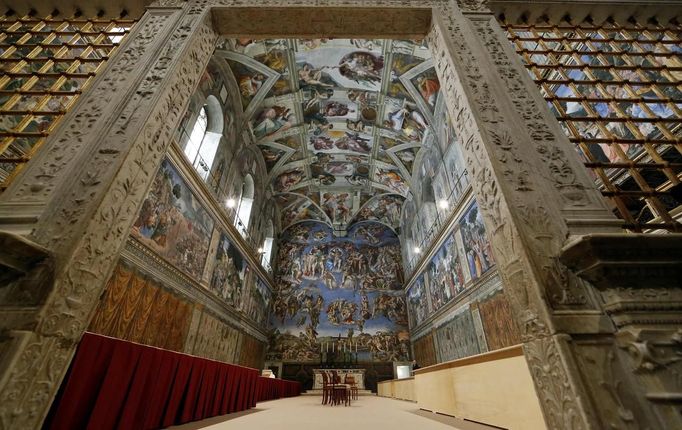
(474, 6)
(626, 260)
(639, 276)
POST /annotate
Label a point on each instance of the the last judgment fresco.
(347, 289)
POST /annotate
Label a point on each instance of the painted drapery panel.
(457, 337)
(498, 324)
(137, 308)
(345, 288)
(173, 223)
(212, 338)
(425, 351)
(252, 352)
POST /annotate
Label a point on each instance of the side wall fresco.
(173, 224)
(216, 293)
(456, 304)
(346, 288)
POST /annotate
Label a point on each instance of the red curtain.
(271, 388)
(115, 384)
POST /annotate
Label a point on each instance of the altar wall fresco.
(348, 288)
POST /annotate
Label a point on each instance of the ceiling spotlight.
(417, 250)
(443, 204)
(230, 203)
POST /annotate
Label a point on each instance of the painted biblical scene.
(294, 208)
(417, 302)
(333, 101)
(272, 155)
(337, 206)
(446, 273)
(273, 120)
(479, 256)
(339, 170)
(289, 179)
(259, 302)
(428, 86)
(228, 277)
(249, 80)
(392, 179)
(173, 223)
(384, 209)
(347, 289)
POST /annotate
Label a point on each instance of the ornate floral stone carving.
(473, 5)
(88, 227)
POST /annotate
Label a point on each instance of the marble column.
(538, 205)
(65, 220)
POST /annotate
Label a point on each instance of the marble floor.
(306, 412)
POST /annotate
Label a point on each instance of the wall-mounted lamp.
(230, 203)
(443, 204)
(417, 250)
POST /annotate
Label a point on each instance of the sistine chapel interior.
(295, 214)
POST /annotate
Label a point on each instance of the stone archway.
(531, 189)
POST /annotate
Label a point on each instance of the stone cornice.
(626, 260)
(598, 11)
(513, 10)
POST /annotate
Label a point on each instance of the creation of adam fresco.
(347, 288)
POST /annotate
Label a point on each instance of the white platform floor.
(306, 412)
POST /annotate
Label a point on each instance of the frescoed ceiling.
(339, 122)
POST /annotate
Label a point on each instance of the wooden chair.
(341, 391)
(327, 389)
(350, 381)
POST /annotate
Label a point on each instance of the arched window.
(245, 206)
(267, 244)
(205, 136)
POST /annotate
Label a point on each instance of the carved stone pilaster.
(90, 180)
(533, 194)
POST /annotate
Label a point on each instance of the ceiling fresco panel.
(341, 122)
